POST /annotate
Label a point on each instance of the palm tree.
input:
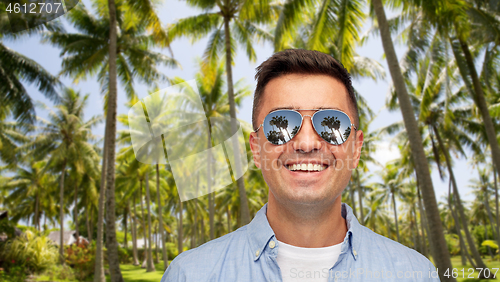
(376, 218)
(438, 115)
(439, 248)
(393, 183)
(241, 18)
(210, 81)
(482, 21)
(126, 154)
(150, 264)
(66, 138)
(30, 189)
(11, 135)
(17, 69)
(107, 55)
(482, 185)
(327, 123)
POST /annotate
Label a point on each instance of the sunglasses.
(281, 126)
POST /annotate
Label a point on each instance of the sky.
(186, 53)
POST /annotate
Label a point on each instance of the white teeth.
(306, 167)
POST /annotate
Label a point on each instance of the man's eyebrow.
(297, 108)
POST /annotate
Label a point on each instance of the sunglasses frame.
(302, 122)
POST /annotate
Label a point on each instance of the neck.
(314, 228)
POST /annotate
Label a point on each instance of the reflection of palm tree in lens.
(347, 133)
(281, 136)
(327, 136)
(282, 123)
(275, 137)
(334, 124)
(328, 123)
(295, 130)
(272, 136)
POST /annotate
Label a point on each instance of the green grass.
(133, 273)
(129, 272)
(457, 263)
(138, 274)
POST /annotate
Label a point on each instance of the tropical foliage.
(55, 168)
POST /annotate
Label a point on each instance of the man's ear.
(358, 144)
(255, 147)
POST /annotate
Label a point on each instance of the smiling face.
(331, 164)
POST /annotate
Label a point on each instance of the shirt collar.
(260, 232)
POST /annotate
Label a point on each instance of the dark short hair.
(300, 61)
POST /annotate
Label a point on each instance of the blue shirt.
(247, 254)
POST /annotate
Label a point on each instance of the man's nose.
(306, 140)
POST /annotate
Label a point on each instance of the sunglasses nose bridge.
(306, 138)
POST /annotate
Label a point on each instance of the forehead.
(304, 91)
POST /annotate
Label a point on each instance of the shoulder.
(207, 257)
(393, 252)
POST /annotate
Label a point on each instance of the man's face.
(298, 91)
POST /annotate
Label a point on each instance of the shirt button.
(257, 253)
(355, 253)
(272, 244)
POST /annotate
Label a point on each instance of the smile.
(306, 167)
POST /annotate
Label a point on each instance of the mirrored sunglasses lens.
(281, 126)
(333, 126)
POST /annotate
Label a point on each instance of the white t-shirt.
(306, 264)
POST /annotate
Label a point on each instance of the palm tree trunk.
(360, 199)
(439, 250)
(211, 211)
(195, 225)
(75, 213)
(488, 210)
(202, 230)
(461, 212)
(135, 259)
(149, 264)
(37, 218)
(228, 219)
(111, 242)
(340, 134)
(353, 203)
(496, 205)
(193, 241)
(481, 104)
(157, 258)
(180, 231)
(395, 215)
(61, 213)
(125, 227)
(87, 223)
(423, 224)
(99, 258)
(463, 249)
(486, 238)
(414, 230)
(91, 219)
(160, 218)
(244, 210)
(211, 214)
(143, 220)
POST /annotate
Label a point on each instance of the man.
(306, 142)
